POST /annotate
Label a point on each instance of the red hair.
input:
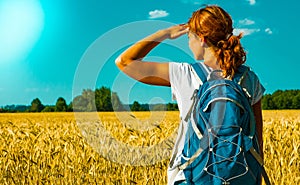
(215, 25)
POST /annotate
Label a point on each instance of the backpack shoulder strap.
(243, 69)
(202, 74)
(200, 71)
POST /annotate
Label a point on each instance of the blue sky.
(52, 49)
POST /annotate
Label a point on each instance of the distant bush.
(287, 99)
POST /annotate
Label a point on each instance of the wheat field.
(116, 148)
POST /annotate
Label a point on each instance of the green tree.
(296, 101)
(267, 102)
(61, 105)
(103, 99)
(136, 106)
(89, 95)
(80, 104)
(85, 102)
(36, 105)
(116, 102)
(158, 107)
(172, 107)
(70, 107)
(2, 110)
(287, 99)
(145, 107)
(49, 109)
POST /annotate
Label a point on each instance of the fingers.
(183, 26)
(177, 31)
(183, 29)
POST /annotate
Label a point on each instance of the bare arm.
(259, 124)
(154, 73)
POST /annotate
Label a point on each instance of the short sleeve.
(253, 86)
(258, 92)
(183, 84)
(179, 74)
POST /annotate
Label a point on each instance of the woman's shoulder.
(181, 73)
(250, 73)
(253, 84)
(180, 67)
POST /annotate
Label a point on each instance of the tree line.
(103, 99)
(281, 99)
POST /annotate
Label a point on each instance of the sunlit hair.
(215, 25)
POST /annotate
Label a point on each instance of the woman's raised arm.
(153, 73)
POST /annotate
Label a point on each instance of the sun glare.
(21, 23)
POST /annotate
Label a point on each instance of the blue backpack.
(220, 143)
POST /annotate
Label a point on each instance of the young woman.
(210, 39)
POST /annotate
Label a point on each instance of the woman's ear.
(202, 40)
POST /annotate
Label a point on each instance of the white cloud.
(252, 2)
(157, 14)
(268, 31)
(246, 22)
(245, 31)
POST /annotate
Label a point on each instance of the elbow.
(120, 63)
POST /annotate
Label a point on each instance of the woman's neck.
(210, 59)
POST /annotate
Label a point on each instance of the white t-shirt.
(184, 81)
